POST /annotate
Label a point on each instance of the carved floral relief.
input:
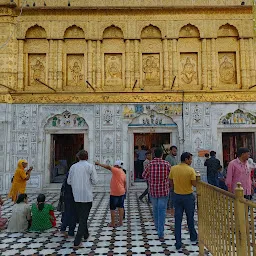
(189, 68)
(37, 68)
(227, 67)
(150, 68)
(113, 69)
(75, 70)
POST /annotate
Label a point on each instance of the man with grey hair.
(82, 176)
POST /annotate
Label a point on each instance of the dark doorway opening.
(232, 141)
(64, 150)
(144, 142)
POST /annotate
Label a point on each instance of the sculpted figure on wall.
(227, 68)
(150, 67)
(189, 69)
(113, 69)
(75, 70)
(36, 68)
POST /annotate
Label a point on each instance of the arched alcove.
(189, 31)
(150, 32)
(152, 58)
(74, 55)
(36, 48)
(74, 32)
(189, 47)
(113, 48)
(35, 32)
(227, 30)
(112, 32)
(228, 49)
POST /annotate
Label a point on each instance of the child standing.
(117, 191)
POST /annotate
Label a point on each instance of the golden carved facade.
(182, 52)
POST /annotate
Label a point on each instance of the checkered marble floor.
(136, 237)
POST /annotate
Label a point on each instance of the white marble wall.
(25, 133)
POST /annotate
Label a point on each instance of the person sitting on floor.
(21, 215)
(42, 215)
(3, 221)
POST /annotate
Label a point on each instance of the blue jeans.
(184, 203)
(213, 180)
(159, 212)
(170, 200)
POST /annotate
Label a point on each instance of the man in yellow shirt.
(183, 178)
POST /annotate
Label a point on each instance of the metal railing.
(226, 223)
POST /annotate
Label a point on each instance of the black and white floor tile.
(136, 237)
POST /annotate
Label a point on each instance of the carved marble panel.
(118, 147)
(151, 69)
(75, 70)
(36, 68)
(97, 142)
(97, 110)
(227, 68)
(108, 159)
(22, 139)
(108, 116)
(197, 140)
(108, 142)
(23, 114)
(113, 69)
(97, 123)
(189, 68)
(33, 148)
(208, 139)
(34, 181)
(197, 114)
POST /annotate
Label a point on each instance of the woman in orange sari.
(20, 179)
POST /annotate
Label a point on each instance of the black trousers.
(83, 211)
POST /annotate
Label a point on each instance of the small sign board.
(201, 153)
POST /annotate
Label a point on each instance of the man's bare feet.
(111, 225)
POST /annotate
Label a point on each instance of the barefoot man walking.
(117, 191)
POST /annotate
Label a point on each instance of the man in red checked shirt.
(157, 173)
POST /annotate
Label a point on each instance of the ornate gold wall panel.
(150, 52)
(136, 97)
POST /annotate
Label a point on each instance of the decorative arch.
(238, 117)
(152, 119)
(35, 32)
(74, 32)
(151, 32)
(227, 30)
(112, 32)
(66, 120)
(189, 31)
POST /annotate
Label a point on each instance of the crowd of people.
(241, 169)
(169, 188)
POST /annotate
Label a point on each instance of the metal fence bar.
(225, 221)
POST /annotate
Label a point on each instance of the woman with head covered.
(19, 180)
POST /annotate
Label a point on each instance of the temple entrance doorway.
(64, 148)
(144, 142)
(232, 141)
